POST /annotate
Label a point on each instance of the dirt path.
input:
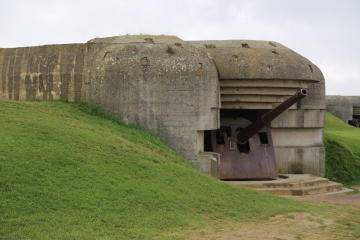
(294, 226)
(352, 199)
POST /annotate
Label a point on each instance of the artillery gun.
(246, 148)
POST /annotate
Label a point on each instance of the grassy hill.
(69, 172)
(342, 151)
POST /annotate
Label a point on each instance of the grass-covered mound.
(68, 174)
(67, 171)
(342, 151)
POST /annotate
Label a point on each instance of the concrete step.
(305, 183)
(301, 191)
(293, 184)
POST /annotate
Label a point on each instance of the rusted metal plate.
(235, 162)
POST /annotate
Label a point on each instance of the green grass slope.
(68, 174)
(342, 143)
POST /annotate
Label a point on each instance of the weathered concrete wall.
(161, 84)
(342, 106)
(42, 72)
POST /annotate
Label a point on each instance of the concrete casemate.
(184, 92)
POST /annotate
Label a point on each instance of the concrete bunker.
(197, 96)
(347, 108)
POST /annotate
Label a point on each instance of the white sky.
(325, 31)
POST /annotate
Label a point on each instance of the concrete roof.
(247, 59)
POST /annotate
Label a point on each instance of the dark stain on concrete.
(78, 76)
(4, 71)
(17, 72)
(46, 85)
(65, 82)
(30, 87)
(10, 76)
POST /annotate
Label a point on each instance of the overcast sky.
(325, 31)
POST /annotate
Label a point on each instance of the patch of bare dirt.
(293, 226)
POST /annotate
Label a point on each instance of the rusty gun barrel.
(256, 126)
